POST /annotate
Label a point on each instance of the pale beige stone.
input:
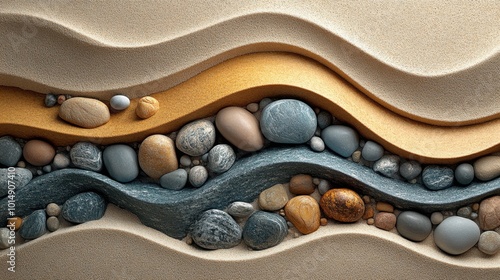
(487, 168)
(273, 198)
(240, 127)
(84, 112)
(304, 213)
(157, 156)
(147, 107)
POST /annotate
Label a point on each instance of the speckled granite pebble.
(264, 230)
(215, 229)
(196, 138)
(86, 155)
(34, 225)
(11, 151)
(220, 158)
(50, 100)
(240, 209)
(437, 177)
(198, 175)
(388, 166)
(84, 207)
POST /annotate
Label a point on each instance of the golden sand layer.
(250, 78)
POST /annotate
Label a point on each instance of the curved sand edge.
(97, 250)
(250, 78)
(447, 81)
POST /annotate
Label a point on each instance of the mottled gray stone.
(50, 100)
(121, 162)
(174, 180)
(388, 166)
(372, 151)
(264, 230)
(220, 158)
(215, 229)
(288, 121)
(22, 176)
(198, 175)
(84, 207)
(172, 212)
(324, 186)
(341, 139)
(53, 223)
(10, 151)
(4, 238)
(464, 173)
(86, 155)
(196, 138)
(410, 170)
(34, 225)
(464, 212)
(489, 242)
(456, 235)
(437, 177)
(53, 209)
(413, 225)
(324, 119)
(240, 209)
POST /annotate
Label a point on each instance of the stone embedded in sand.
(343, 205)
(196, 138)
(301, 184)
(273, 198)
(83, 207)
(240, 128)
(487, 168)
(489, 213)
(215, 229)
(84, 112)
(304, 213)
(38, 153)
(456, 235)
(264, 230)
(385, 220)
(147, 107)
(157, 156)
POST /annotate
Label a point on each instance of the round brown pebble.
(385, 220)
(370, 221)
(53, 209)
(38, 152)
(369, 212)
(475, 206)
(303, 212)
(18, 221)
(147, 107)
(366, 199)
(323, 221)
(384, 207)
(53, 224)
(343, 205)
(301, 184)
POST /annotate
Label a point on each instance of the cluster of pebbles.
(204, 148)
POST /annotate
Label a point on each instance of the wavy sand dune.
(389, 51)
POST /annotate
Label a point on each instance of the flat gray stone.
(264, 230)
(324, 119)
(464, 173)
(288, 121)
(437, 177)
(413, 225)
(388, 166)
(220, 158)
(456, 235)
(121, 162)
(174, 180)
(372, 151)
(410, 169)
(84, 207)
(341, 139)
(22, 176)
(196, 138)
(172, 212)
(34, 225)
(11, 151)
(215, 229)
(240, 209)
(86, 155)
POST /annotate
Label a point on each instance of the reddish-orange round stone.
(343, 205)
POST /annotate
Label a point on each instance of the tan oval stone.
(84, 112)
(240, 127)
(487, 168)
(384, 207)
(385, 220)
(273, 198)
(489, 213)
(157, 156)
(147, 107)
(302, 184)
(343, 205)
(38, 152)
(303, 212)
(369, 212)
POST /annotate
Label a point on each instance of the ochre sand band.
(246, 79)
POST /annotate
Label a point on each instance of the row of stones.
(284, 121)
(81, 208)
(306, 203)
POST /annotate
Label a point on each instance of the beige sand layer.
(250, 78)
(119, 247)
(432, 61)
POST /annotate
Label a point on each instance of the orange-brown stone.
(369, 212)
(301, 184)
(303, 212)
(157, 156)
(343, 205)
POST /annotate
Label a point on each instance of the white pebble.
(317, 144)
(119, 102)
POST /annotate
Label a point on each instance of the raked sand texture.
(412, 66)
(433, 62)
